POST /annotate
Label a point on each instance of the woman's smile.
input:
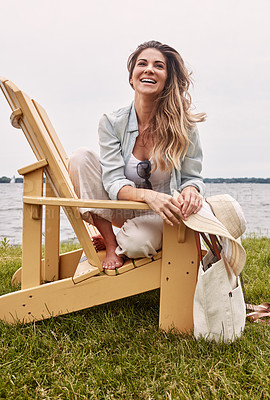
(147, 80)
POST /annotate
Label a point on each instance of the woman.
(147, 150)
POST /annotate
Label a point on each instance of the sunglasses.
(144, 172)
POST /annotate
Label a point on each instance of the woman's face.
(150, 73)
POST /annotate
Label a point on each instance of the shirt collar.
(132, 121)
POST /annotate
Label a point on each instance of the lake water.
(254, 199)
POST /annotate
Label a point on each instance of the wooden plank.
(71, 202)
(33, 167)
(52, 133)
(142, 261)
(84, 271)
(68, 263)
(32, 233)
(178, 279)
(56, 168)
(26, 128)
(110, 272)
(158, 255)
(3, 82)
(92, 229)
(50, 270)
(127, 266)
(62, 297)
(11, 91)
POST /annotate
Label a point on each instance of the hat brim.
(229, 213)
(205, 221)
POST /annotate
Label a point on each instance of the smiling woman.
(147, 151)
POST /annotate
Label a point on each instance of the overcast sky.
(71, 56)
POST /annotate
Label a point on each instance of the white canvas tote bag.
(219, 309)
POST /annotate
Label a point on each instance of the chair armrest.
(33, 167)
(66, 202)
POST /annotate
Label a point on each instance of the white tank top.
(160, 180)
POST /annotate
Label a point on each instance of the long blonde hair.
(173, 118)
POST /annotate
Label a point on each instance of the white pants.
(140, 233)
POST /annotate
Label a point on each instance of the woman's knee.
(135, 242)
(81, 158)
(85, 173)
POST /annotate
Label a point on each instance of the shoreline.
(13, 180)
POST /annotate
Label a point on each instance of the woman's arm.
(191, 166)
(192, 187)
(163, 204)
(111, 159)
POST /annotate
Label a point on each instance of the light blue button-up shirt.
(117, 135)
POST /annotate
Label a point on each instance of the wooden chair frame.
(60, 283)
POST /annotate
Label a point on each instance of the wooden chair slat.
(62, 201)
(51, 132)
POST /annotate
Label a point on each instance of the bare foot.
(112, 261)
(98, 242)
(106, 240)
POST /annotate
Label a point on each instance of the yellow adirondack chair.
(59, 284)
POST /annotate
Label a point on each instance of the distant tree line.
(237, 180)
(5, 179)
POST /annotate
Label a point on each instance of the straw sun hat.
(222, 215)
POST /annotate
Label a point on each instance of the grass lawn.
(116, 351)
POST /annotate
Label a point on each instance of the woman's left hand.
(190, 200)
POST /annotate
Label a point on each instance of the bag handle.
(198, 244)
(213, 244)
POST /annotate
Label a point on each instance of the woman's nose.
(149, 68)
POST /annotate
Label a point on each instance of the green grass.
(116, 351)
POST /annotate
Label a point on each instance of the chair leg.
(32, 231)
(178, 278)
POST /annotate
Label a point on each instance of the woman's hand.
(164, 205)
(190, 200)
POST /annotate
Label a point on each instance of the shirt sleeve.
(111, 159)
(192, 164)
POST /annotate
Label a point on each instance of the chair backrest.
(45, 144)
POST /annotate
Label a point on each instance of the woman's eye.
(161, 66)
(141, 63)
